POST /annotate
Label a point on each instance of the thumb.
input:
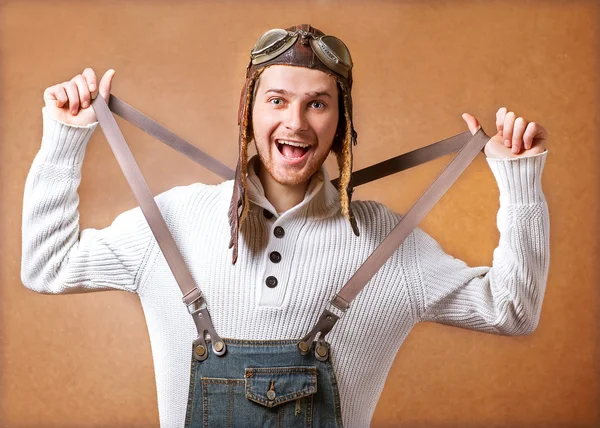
(472, 123)
(105, 84)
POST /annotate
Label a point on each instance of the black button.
(271, 282)
(268, 214)
(275, 257)
(279, 232)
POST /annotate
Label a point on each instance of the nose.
(295, 118)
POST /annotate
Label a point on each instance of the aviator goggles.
(329, 49)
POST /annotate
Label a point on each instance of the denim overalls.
(263, 384)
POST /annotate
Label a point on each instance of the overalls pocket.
(266, 397)
(271, 386)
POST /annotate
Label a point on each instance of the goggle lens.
(329, 49)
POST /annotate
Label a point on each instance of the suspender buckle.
(340, 303)
(194, 308)
(191, 299)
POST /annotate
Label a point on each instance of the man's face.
(294, 119)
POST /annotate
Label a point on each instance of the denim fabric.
(233, 390)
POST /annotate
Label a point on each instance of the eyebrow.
(323, 93)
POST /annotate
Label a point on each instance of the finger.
(83, 89)
(509, 122)
(472, 122)
(57, 94)
(90, 76)
(73, 94)
(500, 114)
(518, 130)
(106, 84)
(534, 132)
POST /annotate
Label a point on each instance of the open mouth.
(292, 149)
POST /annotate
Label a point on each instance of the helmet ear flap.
(340, 132)
(239, 205)
(344, 155)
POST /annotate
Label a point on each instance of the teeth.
(293, 143)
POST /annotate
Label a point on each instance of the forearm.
(505, 298)
(56, 258)
(50, 222)
(522, 258)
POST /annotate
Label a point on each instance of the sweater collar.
(321, 199)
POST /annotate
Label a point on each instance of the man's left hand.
(516, 137)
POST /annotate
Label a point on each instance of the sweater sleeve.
(56, 257)
(505, 298)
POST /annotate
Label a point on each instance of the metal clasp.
(204, 326)
(191, 298)
(197, 308)
(326, 322)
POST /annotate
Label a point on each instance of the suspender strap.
(192, 295)
(408, 160)
(143, 122)
(392, 241)
(412, 218)
(363, 176)
(467, 145)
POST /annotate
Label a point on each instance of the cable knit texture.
(319, 253)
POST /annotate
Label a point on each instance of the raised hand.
(515, 136)
(70, 102)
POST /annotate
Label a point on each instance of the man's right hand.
(70, 102)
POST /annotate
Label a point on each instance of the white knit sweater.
(319, 253)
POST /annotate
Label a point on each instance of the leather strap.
(366, 175)
(392, 241)
(411, 219)
(408, 160)
(467, 145)
(192, 296)
(151, 127)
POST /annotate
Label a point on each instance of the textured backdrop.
(85, 361)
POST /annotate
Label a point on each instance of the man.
(293, 238)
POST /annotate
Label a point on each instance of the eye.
(276, 101)
(318, 105)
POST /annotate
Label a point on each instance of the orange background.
(84, 360)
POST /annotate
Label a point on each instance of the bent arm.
(505, 298)
(55, 257)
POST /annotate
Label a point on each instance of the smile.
(292, 149)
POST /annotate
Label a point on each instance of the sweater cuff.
(519, 179)
(64, 144)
